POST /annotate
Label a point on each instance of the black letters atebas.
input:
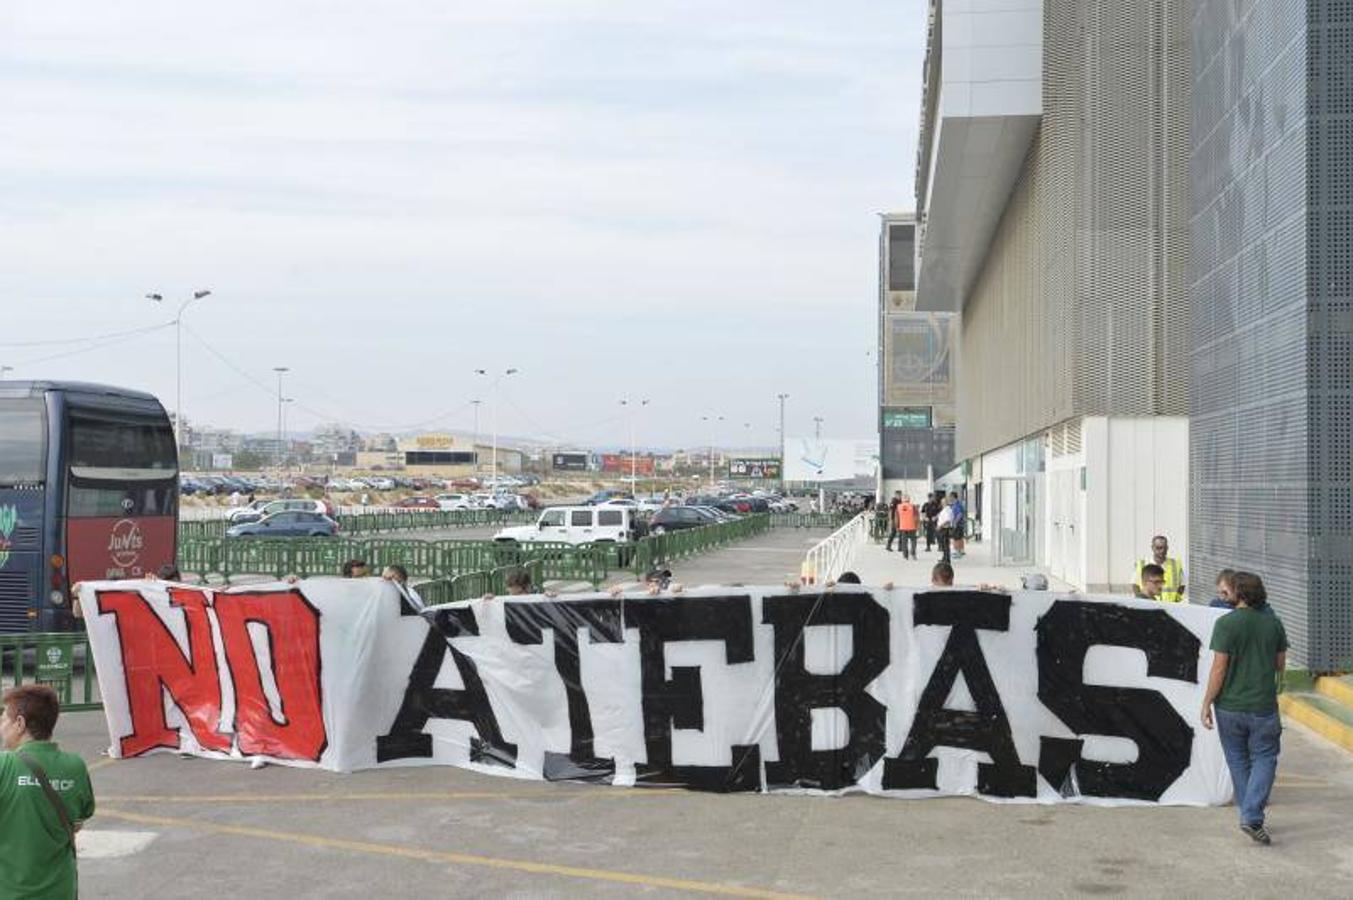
(679, 702)
(1164, 740)
(987, 729)
(526, 624)
(798, 693)
(422, 701)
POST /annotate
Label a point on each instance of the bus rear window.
(102, 444)
(23, 441)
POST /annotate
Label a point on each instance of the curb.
(1335, 689)
(1323, 724)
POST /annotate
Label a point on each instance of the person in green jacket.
(37, 854)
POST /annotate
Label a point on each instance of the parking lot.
(171, 827)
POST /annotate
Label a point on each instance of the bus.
(89, 491)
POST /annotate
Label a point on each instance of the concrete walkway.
(877, 566)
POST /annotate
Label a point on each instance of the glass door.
(1013, 513)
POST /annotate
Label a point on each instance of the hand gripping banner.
(1025, 697)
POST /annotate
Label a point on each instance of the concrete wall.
(1137, 485)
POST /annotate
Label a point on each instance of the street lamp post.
(474, 446)
(286, 401)
(710, 450)
(493, 470)
(280, 370)
(634, 451)
(782, 398)
(178, 357)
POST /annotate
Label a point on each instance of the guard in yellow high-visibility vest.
(1172, 588)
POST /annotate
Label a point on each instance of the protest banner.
(1031, 697)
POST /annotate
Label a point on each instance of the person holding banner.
(45, 797)
(1249, 653)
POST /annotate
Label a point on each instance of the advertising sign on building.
(906, 417)
(829, 459)
(620, 463)
(223, 461)
(569, 462)
(756, 467)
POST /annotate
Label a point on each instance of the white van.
(575, 525)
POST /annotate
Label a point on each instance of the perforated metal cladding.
(1271, 425)
(1082, 305)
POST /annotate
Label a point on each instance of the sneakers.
(1257, 833)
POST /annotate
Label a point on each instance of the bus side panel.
(111, 548)
(21, 558)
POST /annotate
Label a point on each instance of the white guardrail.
(832, 556)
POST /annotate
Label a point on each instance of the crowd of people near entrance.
(942, 519)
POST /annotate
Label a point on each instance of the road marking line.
(104, 843)
(464, 859)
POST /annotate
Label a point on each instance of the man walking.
(1173, 592)
(1249, 654)
(908, 521)
(45, 796)
(892, 518)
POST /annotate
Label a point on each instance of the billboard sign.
(619, 463)
(829, 459)
(569, 462)
(754, 467)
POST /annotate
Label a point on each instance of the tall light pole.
(474, 447)
(493, 470)
(286, 401)
(782, 398)
(280, 370)
(711, 420)
(178, 357)
(634, 451)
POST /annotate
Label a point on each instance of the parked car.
(418, 503)
(574, 525)
(676, 518)
(454, 501)
(381, 483)
(263, 508)
(602, 496)
(293, 523)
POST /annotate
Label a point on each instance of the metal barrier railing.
(62, 661)
(830, 557)
(382, 521)
(476, 584)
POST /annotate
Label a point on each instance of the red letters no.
(153, 662)
(292, 626)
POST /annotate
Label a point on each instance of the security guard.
(1173, 590)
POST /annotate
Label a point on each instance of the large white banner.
(829, 459)
(1024, 697)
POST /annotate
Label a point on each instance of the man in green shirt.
(37, 858)
(1249, 655)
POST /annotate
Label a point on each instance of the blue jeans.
(1250, 742)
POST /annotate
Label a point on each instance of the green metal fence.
(62, 661)
(476, 584)
(384, 521)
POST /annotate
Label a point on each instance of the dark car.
(675, 518)
(418, 503)
(287, 524)
(602, 496)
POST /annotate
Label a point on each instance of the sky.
(669, 200)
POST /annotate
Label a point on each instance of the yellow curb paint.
(1328, 727)
(1335, 688)
(462, 859)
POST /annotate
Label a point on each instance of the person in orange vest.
(908, 523)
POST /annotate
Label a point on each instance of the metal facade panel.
(1271, 429)
(1081, 307)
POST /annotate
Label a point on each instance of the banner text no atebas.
(1030, 696)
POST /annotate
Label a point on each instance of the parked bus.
(88, 491)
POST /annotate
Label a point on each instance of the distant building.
(916, 370)
(451, 456)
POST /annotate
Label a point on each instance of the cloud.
(666, 198)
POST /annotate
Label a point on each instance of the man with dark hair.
(930, 511)
(942, 575)
(169, 572)
(518, 582)
(892, 519)
(848, 578)
(1150, 582)
(355, 568)
(45, 796)
(1226, 586)
(1249, 653)
(1173, 589)
(959, 524)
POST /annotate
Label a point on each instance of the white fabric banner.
(1030, 696)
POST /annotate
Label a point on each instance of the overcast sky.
(670, 199)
